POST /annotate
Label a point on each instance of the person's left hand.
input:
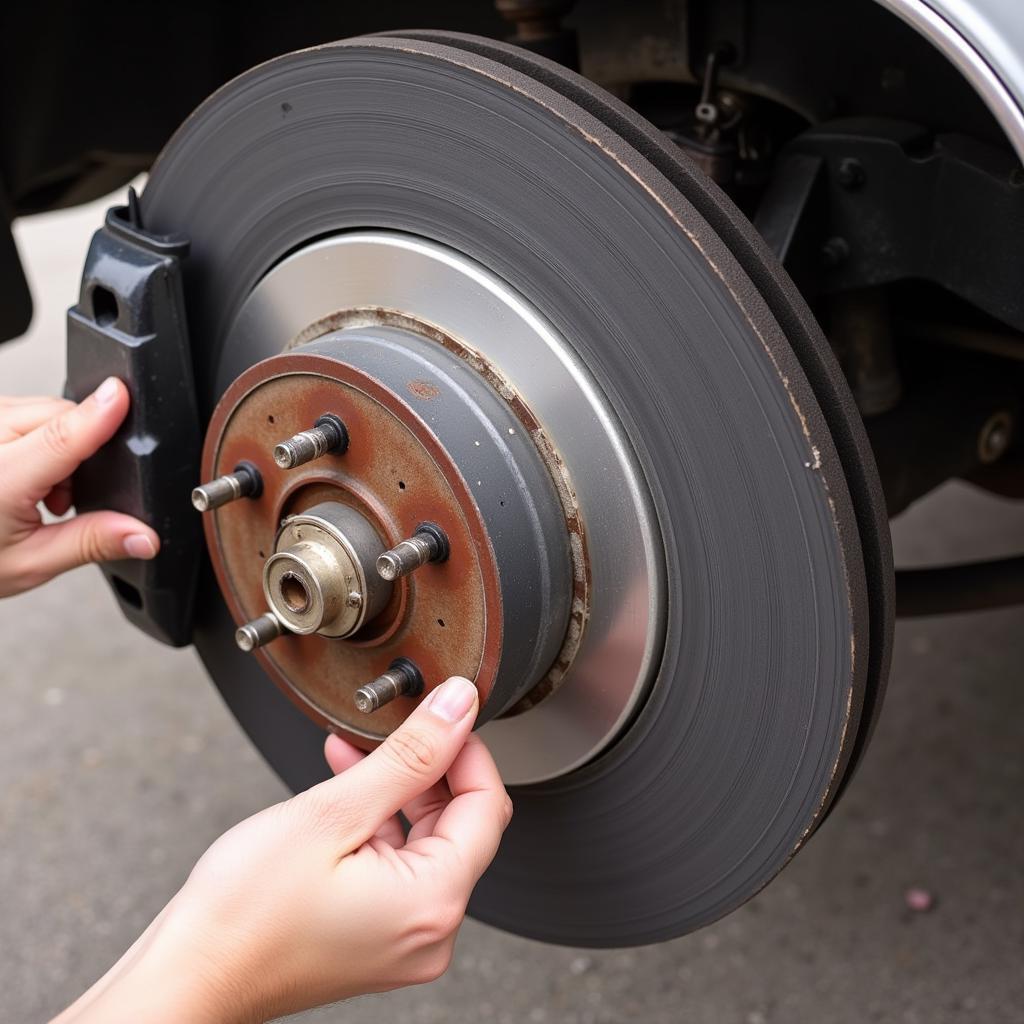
(42, 442)
(325, 896)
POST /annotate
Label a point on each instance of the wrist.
(173, 974)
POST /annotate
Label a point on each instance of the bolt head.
(706, 113)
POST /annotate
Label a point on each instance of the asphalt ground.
(119, 765)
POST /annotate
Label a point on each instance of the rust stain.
(423, 389)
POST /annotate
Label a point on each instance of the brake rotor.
(703, 758)
(783, 299)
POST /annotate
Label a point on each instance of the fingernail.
(107, 391)
(138, 545)
(452, 699)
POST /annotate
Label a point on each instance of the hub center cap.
(321, 577)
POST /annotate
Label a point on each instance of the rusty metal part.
(396, 483)
(427, 544)
(460, 459)
(327, 436)
(260, 631)
(243, 482)
(402, 679)
(320, 578)
(583, 612)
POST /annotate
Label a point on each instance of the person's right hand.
(323, 896)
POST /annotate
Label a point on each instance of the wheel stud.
(244, 482)
(428, 544)
(402, 679)
(327, 436)
(258, 632)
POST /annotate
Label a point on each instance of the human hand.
(324, 897)
(42, 442)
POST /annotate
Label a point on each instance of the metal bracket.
(875, 201)
(130, 323)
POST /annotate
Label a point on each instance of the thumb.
(92, 537)
(409, 761)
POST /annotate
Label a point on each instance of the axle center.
(321, 577)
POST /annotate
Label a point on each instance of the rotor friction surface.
(802, 331)
(755, 708)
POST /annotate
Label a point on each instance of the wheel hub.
(429, 446)
(321, 577)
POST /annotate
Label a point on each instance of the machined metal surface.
(428, 544)
(402, 679)
(803, 334)
(320, 578)
(243, 482)
(260, 631)
(327, 435)
(755, 710)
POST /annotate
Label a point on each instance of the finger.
(18, 420)
(472, 824)
(407, 763)
(58, 501)
(93, 537)
(422, 811)
(13, 400)
(54, 450)
(342, 755)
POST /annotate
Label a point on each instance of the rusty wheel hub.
(431, 455)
